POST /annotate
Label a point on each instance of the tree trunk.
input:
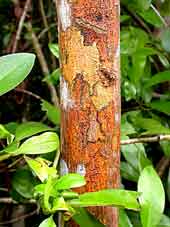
(90, 95)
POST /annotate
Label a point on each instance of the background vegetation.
(145, 86)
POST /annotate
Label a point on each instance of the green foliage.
(151, 188)
(28, 148)
(13, 70)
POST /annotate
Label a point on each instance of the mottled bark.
(90, 95)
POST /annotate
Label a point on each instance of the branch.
(14, 220)
(146, 139)
(8, 200)
(47, 28)
(20, 26)
(43, 64)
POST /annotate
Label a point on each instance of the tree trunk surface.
(90, 95)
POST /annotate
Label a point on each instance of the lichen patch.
(66, 100)
(64, 14)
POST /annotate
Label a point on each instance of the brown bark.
(90, 95)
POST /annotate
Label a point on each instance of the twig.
(162, 165)
(43, 64)
(36, 211)
(138, 19)
(28, 93)
(20, 26)
(48, 31)
(8, 200)
(45, 30)
(146, 139)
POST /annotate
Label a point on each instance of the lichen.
(64, 14)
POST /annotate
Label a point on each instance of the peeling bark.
(90, 94)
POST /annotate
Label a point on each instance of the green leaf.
(144, 4)
(49, 222)
(151, 126)
(128, 172)
(165, 221)
(54, 48)
(11, 127)
(83, 218)
(165, 39)
(53, 77)
(126, 127)
(168, 185)
(59, 204)
(71, 180)
(28, 129)
(45, 143)
(14, 68)
(52, 112)
(158, 78)
(151, 17)
(124, 220)
(162, 106)
(40, 168)
(135, 155)
(112, 197)
(3, 132)
(165, 145)
(23, 182)
(152, 198)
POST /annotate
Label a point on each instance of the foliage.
(30, 150)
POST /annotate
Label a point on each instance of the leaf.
(110, 197)
(126, 127)
(23, 182)
(49, 222)
(40, 168)
(3, 132)
(158, 78)
(128, 172)
(162, 106)
(59, 204)
(124, 219)
(152, 198)
(151, 126)
(165, 145)
(52, 112)
(165, 39)
(71, 180)
(83, 218)
(151, 17)
(53, 77)
(168, 185)
(44, 143)
(144, 4)
(165, 221)
(28, 129)
(14, 68)
(54, 48)
(135, 155)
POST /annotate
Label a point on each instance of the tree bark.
(90, 95)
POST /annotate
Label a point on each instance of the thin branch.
(43, 64)
(146, 139)
(45, 30)
(36, 211)
(8, 200)
(48, 31)
(20, 26)
(28, 93)
(162, 165)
